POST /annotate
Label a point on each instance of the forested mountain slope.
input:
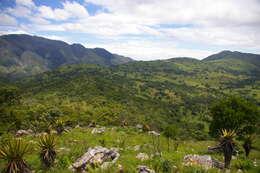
(22, 55)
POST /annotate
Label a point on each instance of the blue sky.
(141, 29)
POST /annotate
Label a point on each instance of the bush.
(243, 164)
(163, 165)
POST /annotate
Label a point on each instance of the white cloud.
(75, 9)
(19, 11)
(148, 50)
(69, 10)
(27, 3)
(7, 20)
(231, 12)
(55, 37)
(56, 14)
(238, 37)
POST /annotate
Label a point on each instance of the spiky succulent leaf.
(48, 153)
(13, 152)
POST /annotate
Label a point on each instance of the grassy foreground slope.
(75, 143)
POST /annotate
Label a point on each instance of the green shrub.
(163, 165)
(243, 164)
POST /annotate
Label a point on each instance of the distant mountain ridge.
(253, 58)
(24, 54)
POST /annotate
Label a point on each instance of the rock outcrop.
(204, 161)
(97, 155)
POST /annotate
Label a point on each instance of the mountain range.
(27, 55)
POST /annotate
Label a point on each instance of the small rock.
(77, 126)
(92, 125)
(154, 133)
(66, 130)
(120, 167)
(137, 147)
(98, 131)
(142, 156)
(139, 126)
(24, 132)
(144, 169)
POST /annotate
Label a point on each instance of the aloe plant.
(48, 129)
(48, 153)
(228, 145)
(59, 126)
(248, 144)
(13, 152)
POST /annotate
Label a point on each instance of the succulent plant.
(48, 153)
(228, 145)
(59, 126)
(13, 152)
(247, 145)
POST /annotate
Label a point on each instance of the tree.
(234, 113)
(170, 132)
(9, 95)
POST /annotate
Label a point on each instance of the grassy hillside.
(75, 143)
(156, 93)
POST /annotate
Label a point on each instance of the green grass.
(72, 145)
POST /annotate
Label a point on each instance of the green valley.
(117, 92)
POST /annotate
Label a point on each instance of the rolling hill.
(175, 91)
